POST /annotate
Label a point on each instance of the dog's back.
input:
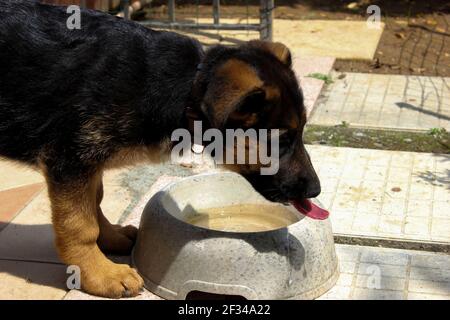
(111, 74)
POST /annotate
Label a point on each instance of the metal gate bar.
(172, 11)
(266, 19)
(216, 11)
(264, 27)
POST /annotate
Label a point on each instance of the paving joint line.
(355, 275)
(407, 199)
(431, 213)
(363, 102)
(380, 111)
(383, 195)
(31, 261)
(407, 278)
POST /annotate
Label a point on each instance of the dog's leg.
(75, 220)
(113, 238)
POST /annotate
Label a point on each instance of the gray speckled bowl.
(176, 258)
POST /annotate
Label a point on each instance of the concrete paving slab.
(20, 280)
(306, 37)
(14, 200)
(79, 295)
(325, 38)
(388, 194)
(13, 175)
(304, 67)
(29, 237)
(389, 274)
(385, 101)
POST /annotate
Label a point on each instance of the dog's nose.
(309, 185)
(305, 187)
(312, 189)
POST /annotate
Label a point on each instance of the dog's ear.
(278, 49)
(237, 94)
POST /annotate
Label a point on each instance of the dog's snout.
(308, 182)
(312, 188)
(303, 186)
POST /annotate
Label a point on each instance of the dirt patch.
(434, 141)
(416, 38)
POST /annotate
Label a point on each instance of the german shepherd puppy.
(76, 102)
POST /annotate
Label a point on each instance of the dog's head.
(254, 86)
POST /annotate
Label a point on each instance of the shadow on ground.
(441, 179)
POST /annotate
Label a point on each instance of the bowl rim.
(158, 198)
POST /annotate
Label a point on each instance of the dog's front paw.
(112, 281)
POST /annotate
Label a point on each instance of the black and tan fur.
(76, 102)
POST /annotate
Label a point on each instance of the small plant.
(321, 76)
(344, 124)
(437, 132)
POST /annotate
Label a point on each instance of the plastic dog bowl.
(176, 257)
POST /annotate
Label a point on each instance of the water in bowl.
(244, 218)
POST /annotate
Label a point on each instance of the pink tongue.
(309, 209)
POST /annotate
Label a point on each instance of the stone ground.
(403, 274)
(389, 194)
(30, 269)
(397, 196)
(385, 101)
(368, 273)
(305, 66)
(305, 37)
